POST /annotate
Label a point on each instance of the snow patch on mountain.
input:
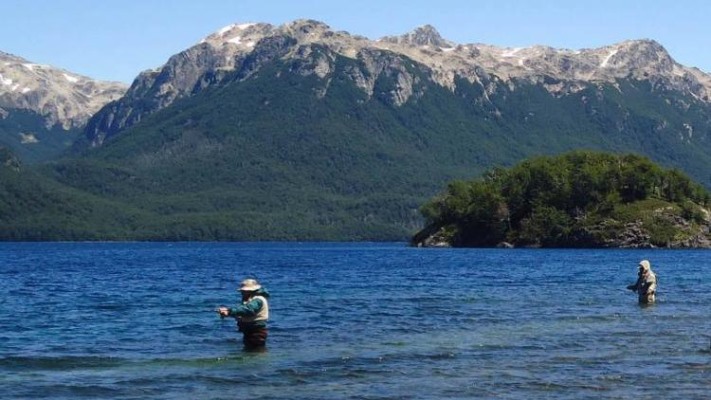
(70, 78)
(28, 138)
(5, 81)
(604, 62)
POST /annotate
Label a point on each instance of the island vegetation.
(579, 199)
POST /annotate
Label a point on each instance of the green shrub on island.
(579, 199)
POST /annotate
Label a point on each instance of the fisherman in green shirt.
(251, 315)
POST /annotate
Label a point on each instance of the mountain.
(299, 132)
(43, 109)
(237, 52)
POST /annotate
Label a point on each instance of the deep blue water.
(350, 321)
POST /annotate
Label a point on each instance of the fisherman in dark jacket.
(646, 285)
(251, 315)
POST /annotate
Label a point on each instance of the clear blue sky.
(116, 39)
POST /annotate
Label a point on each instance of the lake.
(350, 321)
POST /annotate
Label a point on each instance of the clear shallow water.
(360, 321)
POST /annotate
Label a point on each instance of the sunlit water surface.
(350, 321)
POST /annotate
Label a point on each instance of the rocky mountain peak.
(306, 28)
(62, 97)
(639, 54)
(239, 51)
(425, 35)
(641, 59)
(244, 35)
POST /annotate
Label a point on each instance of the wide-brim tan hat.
(249, 285)
(644, 264)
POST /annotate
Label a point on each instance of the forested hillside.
(580, 199)
(310, 134)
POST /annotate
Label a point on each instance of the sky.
(117, 39)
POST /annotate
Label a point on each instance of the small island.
(580, 199)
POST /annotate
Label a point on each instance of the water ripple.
(349, 321)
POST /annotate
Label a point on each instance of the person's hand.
(224, 311)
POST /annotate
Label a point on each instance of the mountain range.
(300, 132)
(43, 109)
(560, 72)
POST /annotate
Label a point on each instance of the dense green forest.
(279, 155)
(580, 199)
(26, 135)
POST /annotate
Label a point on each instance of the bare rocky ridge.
(245, 47)
(60, 96)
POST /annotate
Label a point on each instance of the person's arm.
(251, 308)
(634, 287)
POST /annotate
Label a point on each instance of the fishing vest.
(263, 313)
